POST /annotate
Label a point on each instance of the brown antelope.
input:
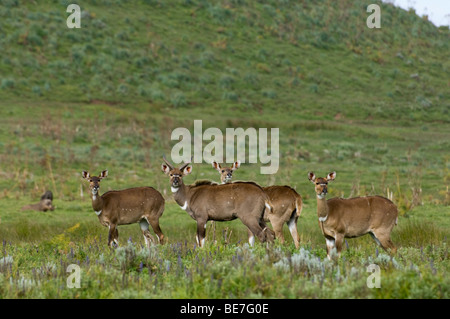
(210, 201)
(44, 205)
(287, 204)
(353, 217)
(143, 205)
(226, 173)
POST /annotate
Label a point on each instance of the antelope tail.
(298, 206)
(269, 206)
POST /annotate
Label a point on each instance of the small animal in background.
(47, 195)
(44, 205)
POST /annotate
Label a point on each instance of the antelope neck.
(180, 195)
(97, 203)
(322, 208)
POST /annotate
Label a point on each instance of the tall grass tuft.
(412, 232)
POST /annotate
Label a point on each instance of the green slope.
(317, 59)
(372, 104)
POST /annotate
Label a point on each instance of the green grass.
(42, 245)
(370, 104)
(50, 154)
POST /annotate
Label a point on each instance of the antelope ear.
(165, 168)
(311, 177)
(216, 165)
(187, 170)
(103, 174)
(331, 176)
(236, 165)
(85, 175)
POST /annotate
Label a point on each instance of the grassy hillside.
(312, 59)
(111, 92)
(372, 104)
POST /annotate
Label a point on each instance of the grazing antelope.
(287, 204)
(210, 201)
(143, 205)
(44, 205)
(353, 217)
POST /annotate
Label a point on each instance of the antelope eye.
(171, 175)
(223, 171)
(317, 183)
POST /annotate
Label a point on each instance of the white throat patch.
(185, 206)
(98, 212)
(174, 189)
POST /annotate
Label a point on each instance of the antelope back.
(228, 198)
(369, 211)
(130, 205)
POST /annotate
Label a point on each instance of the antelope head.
(321, 184)
(94, 181)
(175, 174)
(226, 173)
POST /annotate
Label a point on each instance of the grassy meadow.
(373, 105)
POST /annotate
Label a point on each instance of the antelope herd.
(252, 204)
